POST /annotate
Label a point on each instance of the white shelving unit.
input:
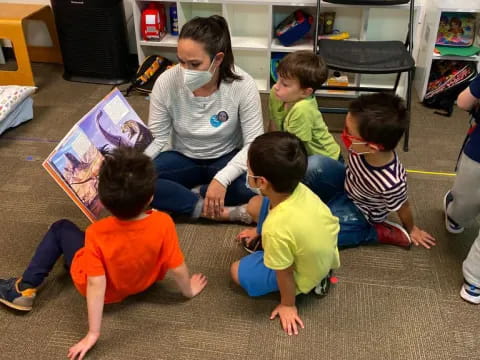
(252, 24)
(426, 54)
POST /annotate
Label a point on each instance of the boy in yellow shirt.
(299, 234)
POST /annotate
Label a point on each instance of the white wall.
(37, 33)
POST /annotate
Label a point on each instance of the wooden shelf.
(455, 57)
(426, 54)
(167, 41)
(304, 44)
(252, 24)
(249, 43)
(262, 85)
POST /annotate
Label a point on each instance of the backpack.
(294, 27)
(148, 72)
(447, 80)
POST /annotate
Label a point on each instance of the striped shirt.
(205, 127)
(376, 191)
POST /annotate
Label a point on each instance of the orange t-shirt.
(131, 254)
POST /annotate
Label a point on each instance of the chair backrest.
(409, 37)
(368, 2)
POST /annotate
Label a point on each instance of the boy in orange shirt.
(117, 256)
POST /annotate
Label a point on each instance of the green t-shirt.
(301, 231)
(304, 120)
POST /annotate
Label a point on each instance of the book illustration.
(456, 29)
(132, 134)
(114, 125)
(78, 163)
(75, 162)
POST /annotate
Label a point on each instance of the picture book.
(76, 160)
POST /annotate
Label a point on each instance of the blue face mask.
(256, 190)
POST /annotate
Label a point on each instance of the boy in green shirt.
(292, 104)
(299, 234)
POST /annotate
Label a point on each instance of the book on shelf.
(75, 162)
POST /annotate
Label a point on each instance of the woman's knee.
(253, 207)
(324, 170)
(323, 163)
(170, 160)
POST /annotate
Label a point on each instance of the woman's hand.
(214, 199)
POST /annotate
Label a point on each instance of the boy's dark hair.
(280, 157)
(214, 35)
(381, 118)
(126, 182)
(310, 69)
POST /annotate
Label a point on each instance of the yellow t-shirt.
(301, 231)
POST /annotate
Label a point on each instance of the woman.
(211, 111)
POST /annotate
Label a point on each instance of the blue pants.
(177, 174)
(326, 177)
(63, 238)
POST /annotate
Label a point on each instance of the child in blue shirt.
(462, 202)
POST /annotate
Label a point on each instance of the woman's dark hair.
(126, 182)
(280, 157)
(213, 33)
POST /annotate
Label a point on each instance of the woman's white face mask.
(195, 79)
(256, 190)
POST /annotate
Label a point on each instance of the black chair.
(369, 57)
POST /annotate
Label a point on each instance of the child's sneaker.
(252, 246)
(11, 296)
(393, 234)
(470, 293)
(450, 225)
(324, 286)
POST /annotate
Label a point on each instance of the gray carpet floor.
(388, 304)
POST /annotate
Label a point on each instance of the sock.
(24, 286)
(197, 211)
(239, 213)
(196, 189)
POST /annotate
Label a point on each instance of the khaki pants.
(464, 209)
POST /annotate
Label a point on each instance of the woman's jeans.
(326, 178)
(178, 174)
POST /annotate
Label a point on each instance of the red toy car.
(154, 22)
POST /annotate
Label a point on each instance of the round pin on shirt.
(214, 121)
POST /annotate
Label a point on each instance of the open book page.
(75, 162)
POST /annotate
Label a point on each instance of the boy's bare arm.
(286, 310)
(418, 236)
(466, 100)
(189, 287)
(96, 286)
